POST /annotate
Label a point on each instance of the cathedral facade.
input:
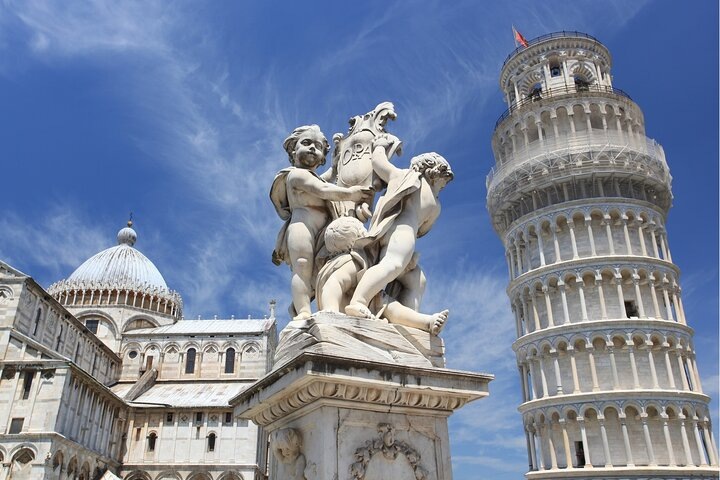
(100, 375)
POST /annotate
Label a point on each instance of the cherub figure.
(339, 276)
(406, 211)
(287, 447)
(300, 197)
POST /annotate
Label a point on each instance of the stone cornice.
(600, 326)
(584, 205)
(640, 397)
(599, 262)
(311, 380)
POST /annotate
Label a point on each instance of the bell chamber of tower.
(579, 196)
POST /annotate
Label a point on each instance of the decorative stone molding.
(606, 329)
(386, 445)
(585, 207)
(6, 294)
(310, 379)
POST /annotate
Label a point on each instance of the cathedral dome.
(119, 276)
(120, 265)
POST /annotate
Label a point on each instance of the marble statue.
(300, 197)
(405, 212)
(371, 273)
(340, 274)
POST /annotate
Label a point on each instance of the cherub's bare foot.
(359, 310)
(303, 316)
(438, 321)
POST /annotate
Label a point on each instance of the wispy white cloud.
(57, 243)
(214, 144)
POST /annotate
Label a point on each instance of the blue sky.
(177, 112)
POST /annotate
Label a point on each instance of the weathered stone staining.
(579, 197)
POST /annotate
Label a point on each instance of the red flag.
(520, 38)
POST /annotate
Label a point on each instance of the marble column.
(668, 441)
(626, 441)
(605, 443)
(648, 439)
(586, 446)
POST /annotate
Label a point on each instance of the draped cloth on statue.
(389, 207)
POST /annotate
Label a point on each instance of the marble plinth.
(344, 417)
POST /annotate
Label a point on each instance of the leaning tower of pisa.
(579, 196)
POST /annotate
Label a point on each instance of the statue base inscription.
(358, 403)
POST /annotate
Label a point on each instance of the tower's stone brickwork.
(579, 196)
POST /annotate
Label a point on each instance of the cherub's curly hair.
(432, 165)
(291, 141)
(341, 233)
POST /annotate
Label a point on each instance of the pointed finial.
(130, 222)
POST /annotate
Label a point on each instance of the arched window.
(152, 438)
(190, 361)
(536, 91)
(581, 83)
(230, 360)
(211, 442)
(555, 67)
(37, 321)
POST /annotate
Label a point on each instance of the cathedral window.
(169, 418)
(230, 360)
(198, 417)
(16, 425)
(132, 354)
(27, 384)
(211, 442)
(190, 361)
(92, 325)
(152, 438)
(228, 418)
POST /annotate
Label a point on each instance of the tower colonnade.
(579, 197)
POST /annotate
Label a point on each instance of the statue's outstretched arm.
(380, 162)
(311, 184)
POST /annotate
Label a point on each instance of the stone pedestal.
(333, 416)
